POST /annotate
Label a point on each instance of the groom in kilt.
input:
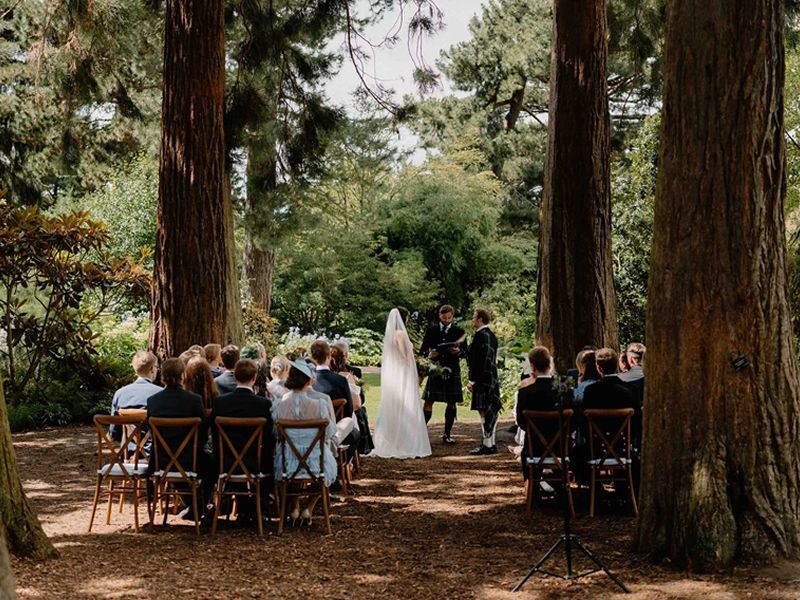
(444, 345)
(484, 383)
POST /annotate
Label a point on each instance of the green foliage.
(57, 280)
(259, 327)
(633, 197)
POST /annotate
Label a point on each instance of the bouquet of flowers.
(428, 368)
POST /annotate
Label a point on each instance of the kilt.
(439, 389)
(486, 397)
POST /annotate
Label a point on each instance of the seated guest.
(610, 391)
(175, 402)
(198, 379)
(635, 374)
(279, 369)
(256, 352)
(539, 395)
(244, 403)
(334, 386)
(587, 373)
(193, 351)
(226, 382)
(213, 354)
(340, 352)
(298, 405)
(135, 395)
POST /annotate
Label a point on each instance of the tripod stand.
(568, 539)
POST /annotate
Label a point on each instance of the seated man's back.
(242, 403)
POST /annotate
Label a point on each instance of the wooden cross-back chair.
(245, 482)
(610, 449)
(548, 450)
(302, 481)
(117, 465)
(342, 462)
(174, 480)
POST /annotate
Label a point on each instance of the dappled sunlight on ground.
(448, 526)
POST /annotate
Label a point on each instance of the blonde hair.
(143, 362)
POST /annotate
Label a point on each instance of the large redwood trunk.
(576, 302)
(722, 420)
(19, 525)
(195, 284)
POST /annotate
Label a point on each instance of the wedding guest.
(135, 395)
(198, 379)
(279, 369)
(297, 405)
(365, 443)
(176, 402)
(335, 386)
(256, 353)
(227, 381)
(337, 365)
(194, 350)
(244, 403)
(635, 373)
(213, 354)
(587, 373)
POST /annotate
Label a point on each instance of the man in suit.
(226, 382)
(539, 395)
(335, 386)
(635, 374)
(243, 403)
(483, 380)
(135, 395)
(175, 402)
(445, 345)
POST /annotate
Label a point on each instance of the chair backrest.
(544, 438)
(283, 427)
(338, 408)
(176, 449)
(609, 433)
(138, 437)
(108, 452)
(225, 428)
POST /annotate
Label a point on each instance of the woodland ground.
(450, 526)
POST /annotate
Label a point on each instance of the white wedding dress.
(400, 429)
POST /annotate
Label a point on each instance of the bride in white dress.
(400, 429)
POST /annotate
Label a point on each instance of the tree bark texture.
(259, 253)
(576, 301)
(195, 284)
(20, 525)
(8, 588)
(721, 454)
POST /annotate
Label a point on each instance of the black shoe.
(448, 440)
(483, 450)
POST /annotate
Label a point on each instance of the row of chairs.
(123, 469)
(608, 433)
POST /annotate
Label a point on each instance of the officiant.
(445, 345)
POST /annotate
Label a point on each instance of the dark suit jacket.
(175, 402)
(435, 336)
(611, 392)
(335, 386)
(226, 383)
(242, 403)
(539, 395)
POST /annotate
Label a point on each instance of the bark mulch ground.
(449, 526)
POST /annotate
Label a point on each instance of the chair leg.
(194, 508)
(282, 501)
(592, 494)
(326, 507)
(152, 498)
(96, 500)
(165, 491)
(110, 500)
(135, 505)
(529, 494)
(258, 509)
(218, 502)
(633, 495)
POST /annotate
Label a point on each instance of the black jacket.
(335, 386)
(175, 402)
(243, 403)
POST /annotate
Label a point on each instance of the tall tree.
(18, 523)
(195, 283)
(721, 470)
(576, 302)
(7, 584)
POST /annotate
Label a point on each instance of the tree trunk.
(22, 530)
(721, 458)
(259, 253)
(576, 301)
(195, 284)
(7, 586)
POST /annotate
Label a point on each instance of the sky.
(394, 67)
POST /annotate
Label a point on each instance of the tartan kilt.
(486, 397)
(438, 389)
